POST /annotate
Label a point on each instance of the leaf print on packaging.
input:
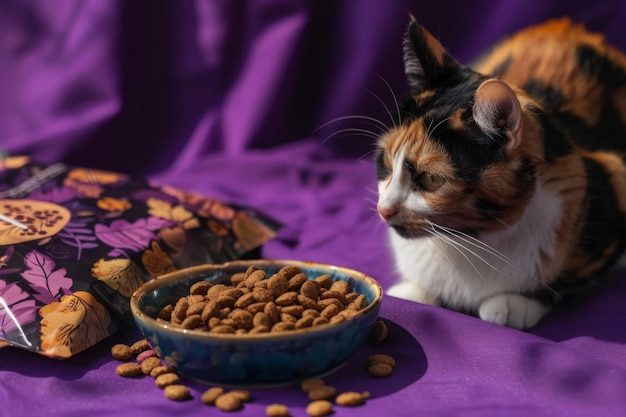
(47, 282)
(156, 261)
(77, 235)
(178, 214)
(120, 274)
(174, 238)
(38, 220)
(132, 236)
(17, 308)
(114, 204)
(73, 324)
(250, 233)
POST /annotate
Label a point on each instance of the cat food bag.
(75, 243)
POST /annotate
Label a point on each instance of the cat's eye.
(431, 182)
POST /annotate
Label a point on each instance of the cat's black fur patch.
(382, 171)
(555, 141)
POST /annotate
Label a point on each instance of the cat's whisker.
(392, 95)
(380, 124)
(383, 104)
(362, 132)
(429, 132)
(366, 154)
(451, 243)
(372, 191)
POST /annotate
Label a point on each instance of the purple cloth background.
(223, 97)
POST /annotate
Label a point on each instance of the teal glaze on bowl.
(264, 359)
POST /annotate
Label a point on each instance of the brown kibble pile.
(381, 365)
(226, 401)
(254, 303)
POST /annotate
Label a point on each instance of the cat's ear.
(426, 62)
(497, 110)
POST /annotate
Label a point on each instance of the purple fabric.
(223, 98)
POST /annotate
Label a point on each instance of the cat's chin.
(409, 233)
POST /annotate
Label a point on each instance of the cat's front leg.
(512, 310)
(411, 291)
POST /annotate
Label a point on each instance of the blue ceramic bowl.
(256, 360)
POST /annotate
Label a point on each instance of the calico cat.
(504, 186)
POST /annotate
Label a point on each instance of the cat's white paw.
(410, 291)
(512, 310)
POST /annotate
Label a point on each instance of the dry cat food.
(277, 410)
(176, 392)
(381, 365)
(128, 370)
(255, 303)
(351, 398)
(319, 408)
(121, 352)
(379, 332)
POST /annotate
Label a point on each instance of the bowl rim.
(207, 268)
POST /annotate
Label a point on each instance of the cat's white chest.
(462, 272)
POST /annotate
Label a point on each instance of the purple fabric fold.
(224, 98)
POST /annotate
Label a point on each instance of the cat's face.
(457, 159)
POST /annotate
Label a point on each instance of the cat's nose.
(388, 212)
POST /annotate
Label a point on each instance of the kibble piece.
(253, 278)
(164, 380)
(259, 329)
(277, 410)
(166, 312)
(325, 392)
(286, 299)
(309, 290)
(304, 322)
(191, 322)
(293, 310)
(242, 394)
(177, 392)
(139, 346)
(340, 286)
(225, 301)
(311, 313)
(262, 295)
(287, 318)
(319, 408)
(245, 300)
(325, 281)
(295, 283)
(232, 292)
(200, 288)
(222, 329)
(149, 364)
(210, 310)
(351, 398)
(128, 369)
(336, 319)
(359, 303)
(334, 294)
(224, 312)
(250, 270)
(278, 284)
(329, 311)
(382, 358)
(145, 355)
(283, 326)
(261, 319)
(351, 296)
(255, 308)
(242, 319)
(289, 271)
(310, 383)
(180, 310)
(260, 284)
(121, 352)
(228, 322)
(159, 370)
(329, 301)
(320, 320)
(196, 308)
(307, 303)
(192, 299)
(272, 312)
(237, 278)
(379, 331)
(215, 291)
(209, 396)
(228, 402)
(380, 370)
